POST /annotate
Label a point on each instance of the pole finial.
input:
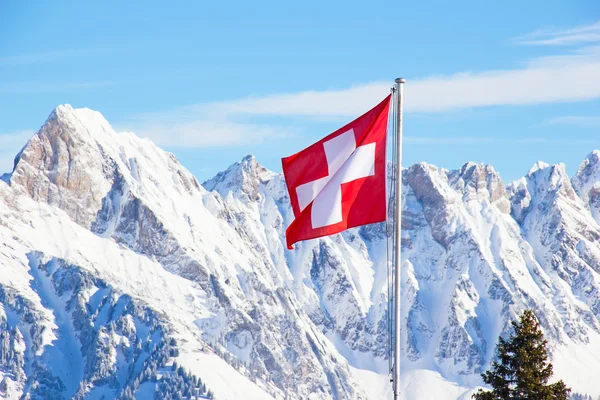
(400, 80)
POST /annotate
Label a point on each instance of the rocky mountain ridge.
(145, 280)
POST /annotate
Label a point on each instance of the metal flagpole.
(397, 234)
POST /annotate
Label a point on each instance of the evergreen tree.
(4, 386)
(522, 369)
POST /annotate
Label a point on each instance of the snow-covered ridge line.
(254, 320)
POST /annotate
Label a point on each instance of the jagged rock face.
(245, 180)
(566, 240)
(59, 165)
(153, 207)
(587, 183)
(469, 264)
(123, 259)
(477, 180)
(465, 259)
(332, 277)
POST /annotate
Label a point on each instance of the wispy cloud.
(573, 79)
(575, 120)
(44, 87)
(577, 56)
(570, 76)
(478, 140)
(563, 37)
(10, 145)
(560, 79)
(203, 132)
(452, 140)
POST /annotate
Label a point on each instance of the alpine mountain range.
(122, 276)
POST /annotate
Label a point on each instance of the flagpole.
(397, 235)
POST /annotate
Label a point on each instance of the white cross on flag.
(339, 182)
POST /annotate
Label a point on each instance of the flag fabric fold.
(339, 182)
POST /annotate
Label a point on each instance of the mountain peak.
(545, 178)
(586, 183)
(249, 164)
(244, 176)
(80, 120)
(545, 184)
(592, 161)
(538, 166)
(480, 180)
(63, 109)
(249, 158)
(63, 164)
(472, 169)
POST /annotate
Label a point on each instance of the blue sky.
(505, 83)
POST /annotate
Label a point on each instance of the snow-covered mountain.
(123, 276)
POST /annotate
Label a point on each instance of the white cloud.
(10, 145)
(345, 102)
(578, 56)
(553, 79)
(571, 76)
(203, 132)
(478, 140)
(575, 120)
(560, 78)
(450, 140)
(527, 86)
(562, 37)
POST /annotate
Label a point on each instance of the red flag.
(339, 182)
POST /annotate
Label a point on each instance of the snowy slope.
(124, 276)
(96, 307)
(469, 267)
(127, 194)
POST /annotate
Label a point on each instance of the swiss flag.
(339, 182)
